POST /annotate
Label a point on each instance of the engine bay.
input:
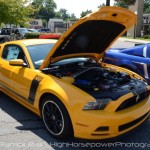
(98, 81)
(98, 78)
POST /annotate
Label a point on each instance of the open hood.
(92, 35)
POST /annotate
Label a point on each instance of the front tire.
(56, 118)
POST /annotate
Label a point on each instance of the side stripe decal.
(34, 85)
(8, 89)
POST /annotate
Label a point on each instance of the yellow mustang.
(68, 87)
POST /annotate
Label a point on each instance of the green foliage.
(46, 10)
(121, 4)
(124, 3)
(15, 12)
(146, 36)
(127, 2)
(44, 22)
(84, 13)
(58, 15)
(64, 14)
(72, 16)
(103, 4)
(146, 6)
(4, 8)
(31, 35)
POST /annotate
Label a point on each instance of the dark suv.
(9, 31)
(44, 30)
(9, 34)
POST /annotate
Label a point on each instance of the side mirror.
(17, 62)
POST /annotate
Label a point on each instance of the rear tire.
(56, 118)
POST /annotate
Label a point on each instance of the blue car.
(135, 58)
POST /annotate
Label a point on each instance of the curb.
(134, 40)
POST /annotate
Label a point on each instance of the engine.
(97, 78)
(98, 81)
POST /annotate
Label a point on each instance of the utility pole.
(107, 2)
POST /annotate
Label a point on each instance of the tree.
(58, 14)
(84, 13)
(15, 12)
(146, 6)
(64, 14)
(46, 10)
(4, 8)
(121, 4)
(103, 4)
(127, 2)
(72, 16)
(124, 3)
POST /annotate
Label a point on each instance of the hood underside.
(92, 35)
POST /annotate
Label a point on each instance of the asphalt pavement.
(127, 42)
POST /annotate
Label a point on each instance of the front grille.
(133, 100)
(130, 124)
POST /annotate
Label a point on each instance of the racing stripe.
(34, 85)
(13, 92)
(144, 51)
(145, 65)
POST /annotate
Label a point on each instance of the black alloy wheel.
(56, 118)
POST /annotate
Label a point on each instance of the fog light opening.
(102, 128)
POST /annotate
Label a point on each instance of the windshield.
(32, 30)
(38, 53)
(24, 30)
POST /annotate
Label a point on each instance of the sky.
(77, 6)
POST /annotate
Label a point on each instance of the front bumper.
(103, 125)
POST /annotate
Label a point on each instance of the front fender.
(131, 73)
(72, 97)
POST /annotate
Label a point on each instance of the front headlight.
(99, 104)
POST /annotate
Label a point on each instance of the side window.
(12, 52)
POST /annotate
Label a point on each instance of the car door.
(16, 79)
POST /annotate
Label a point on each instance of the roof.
(28, 42)
(36, 41)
